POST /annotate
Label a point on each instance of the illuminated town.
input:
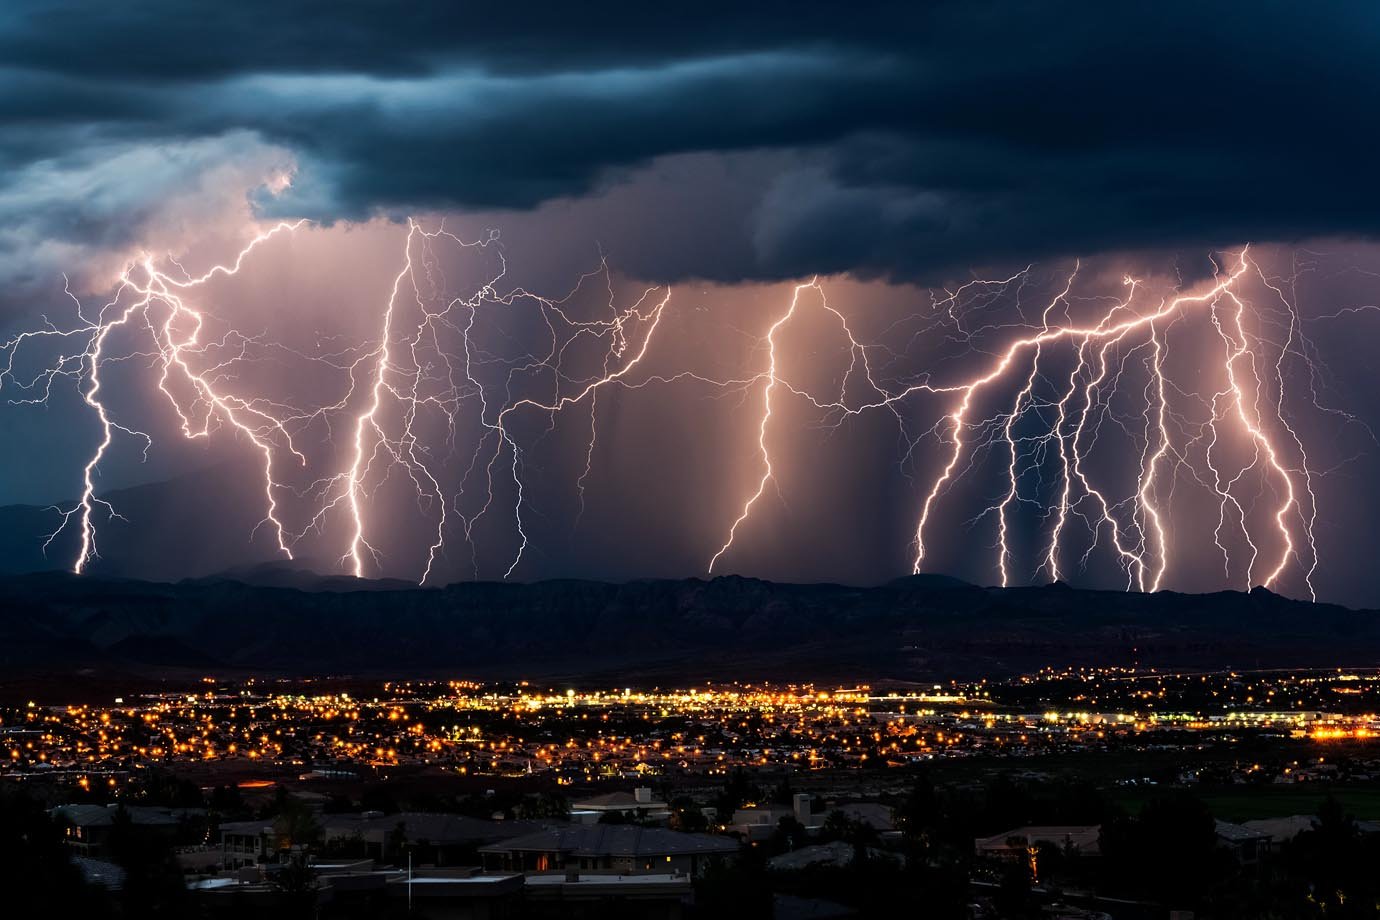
(576, 736)
(497, 776)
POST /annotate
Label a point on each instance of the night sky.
(635, 193)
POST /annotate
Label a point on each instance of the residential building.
(1016, 843)
(758, 822)
(577, 895)
(638, 803)
(1246, 844)
(624, 848)
(87, 828)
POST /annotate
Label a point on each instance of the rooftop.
(616, 800)
(104, 815)
(591, 879)
(615, 840)
(1080, 837)
(99, 872)
(433, 828)
(1237, 833)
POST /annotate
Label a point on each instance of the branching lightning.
(1097, 352)
(432, 402)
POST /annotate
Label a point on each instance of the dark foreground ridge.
(913, 629)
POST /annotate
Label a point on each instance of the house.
(459, 894)
(430, 839)
(876, 816)
(1282, 830)
(1246, 844)
(1016, 843)
(625, 848)
(576, 895)
(87, 828)
(837, 854)
(362, 889)
(246, 843)
(758, 822)
(638, 803)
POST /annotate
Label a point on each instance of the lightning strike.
(432, 403)
(1097, 353)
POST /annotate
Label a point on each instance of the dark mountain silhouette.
(913, 629)
(162, 532)
(288, 574)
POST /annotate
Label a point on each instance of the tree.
(840, 826)
(544, 805)
(153, 885)
(686, 815)
(227, 801)
(916, 818)
(1013, 897)
(36, 871)
(790, 835)
(738, 888)
(1169, 852)
(297, 889)
(1005, 804)
(158, 787)
(1333, 865)
(397, 839)
(296, 826)
(738, 791)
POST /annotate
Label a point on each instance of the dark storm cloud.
(168, 39)
(913, 139)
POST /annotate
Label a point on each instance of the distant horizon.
(244, 574)
(333, 569)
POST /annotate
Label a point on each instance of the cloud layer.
(904, 141)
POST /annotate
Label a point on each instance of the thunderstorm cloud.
(905, 141)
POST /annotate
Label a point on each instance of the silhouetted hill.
(921, 628)
(162, 532)
(288, 574)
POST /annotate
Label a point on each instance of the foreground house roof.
(1080, 837)
(618, 800)
(433, 828)
(615, 840)
(104, 815)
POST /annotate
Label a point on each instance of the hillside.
(914, 629)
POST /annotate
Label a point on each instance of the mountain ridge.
(911, 629)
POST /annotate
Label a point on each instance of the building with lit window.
(87, 828)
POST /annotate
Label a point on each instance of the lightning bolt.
(154, 297)
(441, 366)
(1098, 352)
(398, 377)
